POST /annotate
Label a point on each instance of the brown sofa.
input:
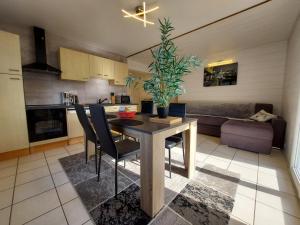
(211, 117)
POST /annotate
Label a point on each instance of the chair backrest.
(177, 109)
(85, 123)
(147, 107)
(99, 121)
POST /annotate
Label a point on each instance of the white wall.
(291, 97)
(260, 77)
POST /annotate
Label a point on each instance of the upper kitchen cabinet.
(96, 66)
(108, 69)
(10, 54)
(74, 65)
(120, 73)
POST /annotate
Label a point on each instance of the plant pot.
(162, 112)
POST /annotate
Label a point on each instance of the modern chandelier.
(140, 14)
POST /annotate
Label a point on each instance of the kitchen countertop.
(59, 106)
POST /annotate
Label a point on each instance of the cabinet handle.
(105, 75)
(14, 78)
(14, 70)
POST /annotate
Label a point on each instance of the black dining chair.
(89, 132)
(147, 107)
(176, 110)
(117, 150)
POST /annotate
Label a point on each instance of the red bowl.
(126, 114)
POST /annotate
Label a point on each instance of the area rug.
(195, 204)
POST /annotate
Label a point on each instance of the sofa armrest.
(279, 127)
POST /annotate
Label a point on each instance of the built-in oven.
(46, 123)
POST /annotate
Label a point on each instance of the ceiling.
(101, 22)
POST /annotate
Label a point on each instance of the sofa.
(211, 116)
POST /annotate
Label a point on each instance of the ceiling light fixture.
(141, 14)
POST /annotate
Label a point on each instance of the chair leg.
(183, 150)
(86, 150)
(96, 158)
(99, 166)
(116, 178)
(170, 163)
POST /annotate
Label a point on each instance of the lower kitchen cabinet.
(73, 124)
(13, 129)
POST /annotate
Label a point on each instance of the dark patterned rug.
(195, 204)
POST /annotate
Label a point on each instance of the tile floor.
(35, 190)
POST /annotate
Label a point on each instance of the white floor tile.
(214, 161)
(275, 171)
(66, 192)
(33, 207)
(32, 175)
(56, 151)
(6, 198)
(31, 165)
(75, 212)
(4, 216)
(268, 215)
(244, 173)
(236, 221)
(75, 147)
(244, 208)
(279, 200)
(54, 217)
(275, 183)
(8, 171)
(60, 178)
(73, 152)
(33, 188)
(8, 163)
(31, 158)
(55, 158)
(7, 182)
(55, 168)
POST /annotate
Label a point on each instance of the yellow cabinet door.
(108, 69)
(120, 73)
(13, 129)
(96, 66)
(74, 65)
(74, 127)
(10, 54)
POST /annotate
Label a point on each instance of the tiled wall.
(45, 88)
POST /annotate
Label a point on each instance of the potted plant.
(167, 70)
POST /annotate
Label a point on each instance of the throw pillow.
(263, 116)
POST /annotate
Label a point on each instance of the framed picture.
(222, 75)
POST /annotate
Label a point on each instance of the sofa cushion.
(233, 110)
(211, 120)
(251, 129)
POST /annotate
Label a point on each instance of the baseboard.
(14, 154)
(75, 140)
(48, 146)
(295, 181)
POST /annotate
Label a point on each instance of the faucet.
(100, 101)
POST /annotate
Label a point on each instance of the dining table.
(151, 136)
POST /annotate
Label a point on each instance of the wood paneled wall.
(260, 77)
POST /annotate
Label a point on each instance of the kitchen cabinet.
(120, 73)
(74, 65)
(74, 127)
(96, 66)
(10, 54)
(13, 129)
(108, 69)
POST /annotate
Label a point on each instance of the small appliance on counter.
(122, 99)
(113, 98)
(68, 98)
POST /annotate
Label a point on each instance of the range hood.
(40, 66)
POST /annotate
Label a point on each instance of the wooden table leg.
(152, 173)
(190, 149)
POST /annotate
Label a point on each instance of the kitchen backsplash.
(44, 88)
